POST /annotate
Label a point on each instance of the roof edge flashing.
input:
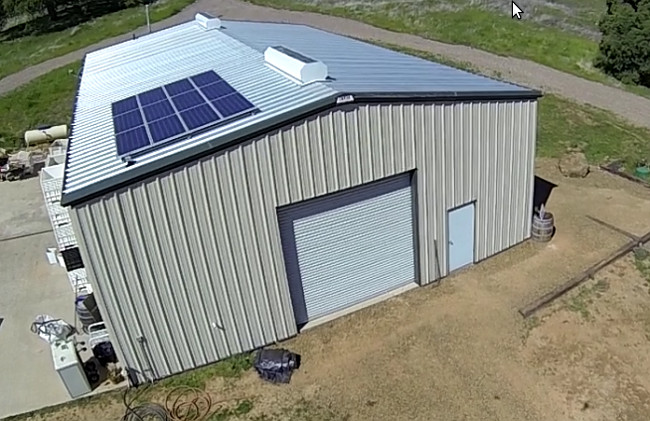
(300, 67)
(207, 21)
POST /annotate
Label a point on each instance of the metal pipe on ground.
(613, 228)
(562, 289)
(625, 176)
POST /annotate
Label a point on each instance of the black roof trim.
(208, 148)
(71, 137)
(447, 96)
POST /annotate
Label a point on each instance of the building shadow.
(542, 192)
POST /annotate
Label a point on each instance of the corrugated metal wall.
(192, 260)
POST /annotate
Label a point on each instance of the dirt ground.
(461, 351)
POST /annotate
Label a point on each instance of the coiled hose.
(148, 411)
(182, 403)
(186, 403)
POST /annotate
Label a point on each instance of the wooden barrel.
(543, 227)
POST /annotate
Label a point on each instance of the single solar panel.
(232, 104)
(151, 96)
(175, 111)
(132, 140)
(166, 128)
(205, 78)
(127, 121)
(125, 105)
(199, 116)
(158, 110)
(217, 90)
(187, 100)
(179, 87)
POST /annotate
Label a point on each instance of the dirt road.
(629, 106)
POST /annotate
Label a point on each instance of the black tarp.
(276, 365)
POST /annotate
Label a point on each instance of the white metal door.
(461, 236)
(344, 249)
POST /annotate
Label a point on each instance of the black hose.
(143, 412)
(182, 403)
(146, 411)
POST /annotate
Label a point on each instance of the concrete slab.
(23, 211)
(29, 286)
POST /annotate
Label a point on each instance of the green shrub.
(625, 44)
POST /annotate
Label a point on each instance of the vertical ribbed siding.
(192, 260)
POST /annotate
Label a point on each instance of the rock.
(574, 165)
(3, 153)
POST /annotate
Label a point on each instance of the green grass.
(530, 324)
(580, 302)
(642, 263)
(222, 414)
(29, 50)
(600, 134)
(45, 100)
(476, 27)
(232, 367)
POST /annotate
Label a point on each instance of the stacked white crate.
(51, 184)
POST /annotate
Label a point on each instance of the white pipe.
(34, 137)
(146, 9)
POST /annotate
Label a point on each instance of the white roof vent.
(300, 67)
(207, 21)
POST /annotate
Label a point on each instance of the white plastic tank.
(34, 137)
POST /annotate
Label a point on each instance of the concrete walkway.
(29, 286)
(631, 107)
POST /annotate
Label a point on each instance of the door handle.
(451, 243)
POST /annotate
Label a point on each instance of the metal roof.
(235, 52)
(358, 67)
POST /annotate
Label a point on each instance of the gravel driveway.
(631, 107)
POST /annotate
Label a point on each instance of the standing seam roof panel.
(357, 66)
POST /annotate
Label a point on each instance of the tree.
(625, 43)
(3, 16)
(21, 7)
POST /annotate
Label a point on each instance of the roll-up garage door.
(349, 247)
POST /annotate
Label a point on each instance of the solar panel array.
(175, 111)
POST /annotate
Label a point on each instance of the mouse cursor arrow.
(516, 11)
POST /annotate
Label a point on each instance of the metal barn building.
(231, 182)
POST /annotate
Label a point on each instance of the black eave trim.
(71, 137)
(527, 94)
(328, 104)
